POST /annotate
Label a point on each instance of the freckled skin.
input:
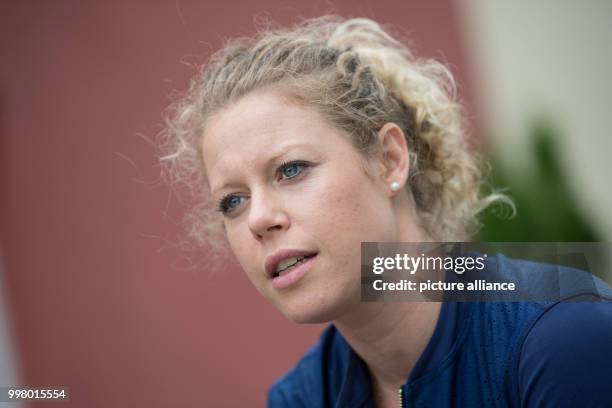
(330, 208)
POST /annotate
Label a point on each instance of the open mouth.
(286, 265)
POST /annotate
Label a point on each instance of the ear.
(395, 157)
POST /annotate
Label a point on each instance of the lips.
(273, 261)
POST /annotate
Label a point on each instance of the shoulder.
(547, 282)
(315, 375)
(566, 357)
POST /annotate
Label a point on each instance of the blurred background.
(94, 294)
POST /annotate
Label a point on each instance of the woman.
(314, 139)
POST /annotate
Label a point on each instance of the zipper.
(401, 398)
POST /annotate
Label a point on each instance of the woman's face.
(288, 180)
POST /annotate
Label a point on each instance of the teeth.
(284, 264)
(289, 262)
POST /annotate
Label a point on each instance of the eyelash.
(223, 206)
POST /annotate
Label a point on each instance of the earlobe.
(395, 156)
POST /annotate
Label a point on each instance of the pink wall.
(96, 302)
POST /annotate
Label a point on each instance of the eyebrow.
(274, 157)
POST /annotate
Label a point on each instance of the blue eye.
(286, 171)
(228, 203)
(233, 202)
(291, 170)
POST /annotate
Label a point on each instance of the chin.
(308, 316)
(312, 311)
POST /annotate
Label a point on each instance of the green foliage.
(546, 207)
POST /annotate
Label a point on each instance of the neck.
(391, 336)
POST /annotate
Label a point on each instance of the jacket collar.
(356, 388)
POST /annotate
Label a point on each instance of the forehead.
(257, 127)
(258, 118)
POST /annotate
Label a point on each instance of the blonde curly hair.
(359, 77)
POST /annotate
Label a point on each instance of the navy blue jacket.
(481, 354)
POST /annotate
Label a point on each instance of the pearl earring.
(395, 186)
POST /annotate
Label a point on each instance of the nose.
(266, 215)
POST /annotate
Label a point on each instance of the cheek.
(356, 205)
(345, 211)
(242, 250)
(233, 238)
(327, 205)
